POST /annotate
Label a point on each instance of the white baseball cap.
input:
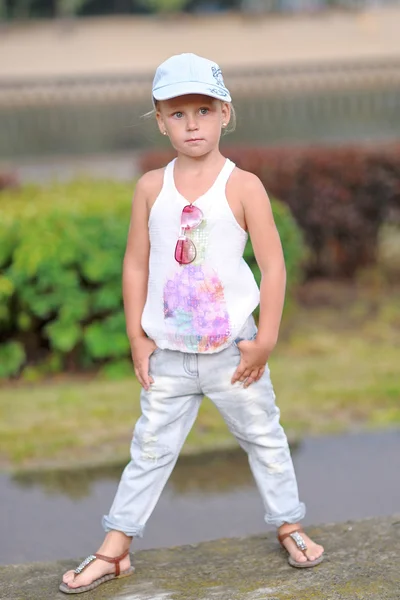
(189, 74)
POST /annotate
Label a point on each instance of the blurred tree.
(109, 7)
(167, 6)
(22, 9)
(66, 8)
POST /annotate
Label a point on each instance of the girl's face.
(193, 122)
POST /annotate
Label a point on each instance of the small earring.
(223, 124)
(164, 133)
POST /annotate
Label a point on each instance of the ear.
(160, 122)
(226, 112)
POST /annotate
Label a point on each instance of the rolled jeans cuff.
(129, 530)
(291, 517)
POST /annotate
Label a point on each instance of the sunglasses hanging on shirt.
(185, 250)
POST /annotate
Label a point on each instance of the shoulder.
(150, 184)
(252, 195)
(246, 182)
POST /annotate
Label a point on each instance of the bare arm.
(269, 255)
(136, 264)
(135, 277)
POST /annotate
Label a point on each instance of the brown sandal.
(300, 543)
(64, 587)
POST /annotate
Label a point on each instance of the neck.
(200, 163)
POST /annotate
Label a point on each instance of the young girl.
(189, 298)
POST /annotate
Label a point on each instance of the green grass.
(335, 369)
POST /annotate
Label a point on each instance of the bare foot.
(115, 544)
(313, 551)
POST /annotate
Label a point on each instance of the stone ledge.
(362, 563)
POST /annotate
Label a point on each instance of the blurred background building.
(23, 9)
(75, 75)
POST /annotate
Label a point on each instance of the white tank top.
(202, 306)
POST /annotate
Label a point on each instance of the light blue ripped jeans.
(169, 410)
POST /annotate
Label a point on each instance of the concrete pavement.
(362, 563)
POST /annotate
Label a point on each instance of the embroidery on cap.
(217, 74)
(217, 91)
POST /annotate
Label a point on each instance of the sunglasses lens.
(185, 251)
(191, 216)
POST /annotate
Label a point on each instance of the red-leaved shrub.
(8, 181)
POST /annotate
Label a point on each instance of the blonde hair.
(229, 129)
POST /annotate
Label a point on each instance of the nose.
(191, 123)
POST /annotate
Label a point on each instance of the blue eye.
(204, 111)
(178, 114)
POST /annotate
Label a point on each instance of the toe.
(299, 557)
(75, 583)
(317, 552)
(68, 576)
(313, 553)
(311, 557)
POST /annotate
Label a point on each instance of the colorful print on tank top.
(194, 303)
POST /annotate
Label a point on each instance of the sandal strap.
(114, 561)
(283, 536)
(84, 564)
(297, 538)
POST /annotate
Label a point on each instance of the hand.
(253, 358)
(141, 349)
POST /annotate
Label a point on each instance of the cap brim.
(192, 87)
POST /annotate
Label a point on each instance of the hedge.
(8, 180)
(60, 276)
(339, 196)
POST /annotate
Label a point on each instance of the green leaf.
(100, 267)
(4, 313)
(63, 335)
(108, 296)
(24, 321)
(12, 356)
(107, 339)
(77, 308)
(7, 287)
(8, 242)
(118, 369)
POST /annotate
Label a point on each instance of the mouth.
(193, 140)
